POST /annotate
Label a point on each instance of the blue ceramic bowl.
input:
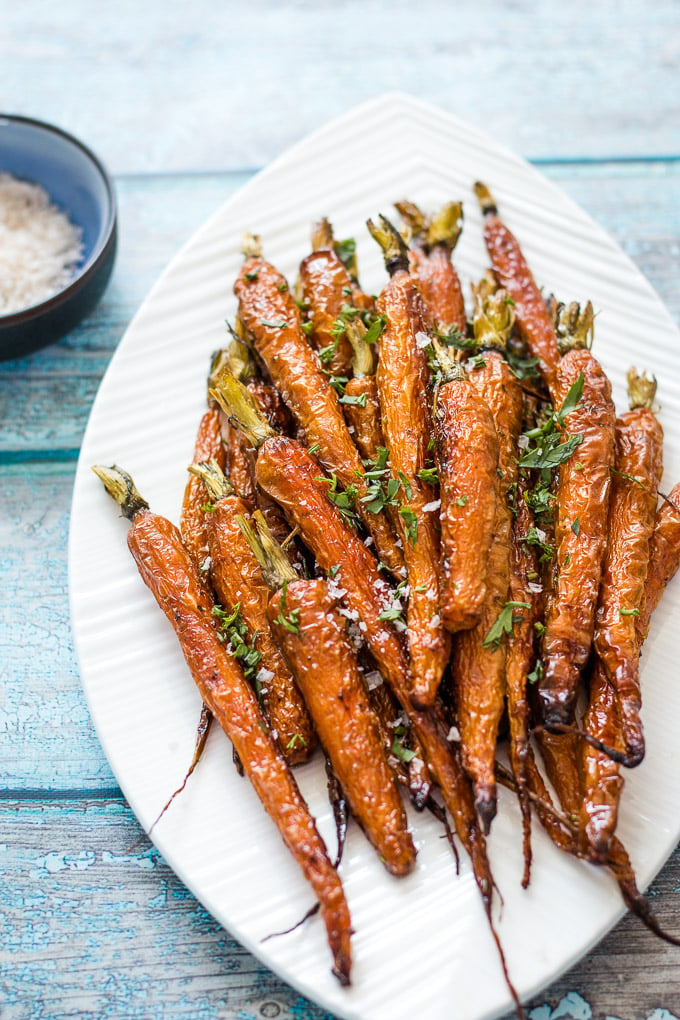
(77, 182)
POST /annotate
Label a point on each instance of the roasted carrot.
(582, 500)
(478, 656)
(525, 590)
(466, 453)
(167, 569)
(403, 378)
(514, 275)
(636, 479)
(272, 319)
(362, 411)
(430, 258)
(326, 287)
(305, 619)
(664, 559)
(243, 596)
(602, 783)
(192, 518)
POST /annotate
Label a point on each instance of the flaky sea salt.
(39, 246)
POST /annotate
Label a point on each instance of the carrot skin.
(168, 571)
(466, 447)
(583, 492)
(326, 287)
(664, 559)
(208, 446)
(402, 379)
(478, 669)
(516, 278)
(439, 285)
(325, 666)
(639, 441)
(366, 430)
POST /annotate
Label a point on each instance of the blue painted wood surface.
(183, 101)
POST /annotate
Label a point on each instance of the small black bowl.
(79, 185)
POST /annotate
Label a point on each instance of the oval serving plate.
(422, 946)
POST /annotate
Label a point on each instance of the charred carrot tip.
(485, 804)
(485, 199)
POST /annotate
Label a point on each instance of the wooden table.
(184, 103)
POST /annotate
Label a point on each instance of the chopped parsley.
(344, 501)
(536, 674)
(359, 401)
(536, 537)
(274, 325)
(411, 524)
(461, 501)
(297, 740)
(375, 330)
(503, 624)
(251, 276)
(404, 754)
(292, 621)
(631, 478)
(629, 612)
(576, 526)
(429, 475)
(233, 628)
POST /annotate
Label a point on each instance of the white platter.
(422, 947)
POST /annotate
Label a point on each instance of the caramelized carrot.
(515, 277)
(326, 286)
(167, 569)
(192, 518)
(478, 658)
(272, 319)
(664, 559)
(639, 441)
(466, 449)
(402, 378)
(525, 589)
(583, 491)
(431, 265)
(313, 636)
(237, 582)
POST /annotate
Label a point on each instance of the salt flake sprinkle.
(39, 246)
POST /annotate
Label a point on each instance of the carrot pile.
(412, 533)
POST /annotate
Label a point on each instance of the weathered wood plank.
(47, 735)
(45, 399)
(143, 944)
(152, 91)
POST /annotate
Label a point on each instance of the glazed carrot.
(431, 265)
(466, 453)
(514, 275)
(583, 491)
(167, 569)
(402, 378)
(326, 287)
(636, 479)
(272, 319)
(664, 559)
(312, 634)
(478, 656)
(237, 582)
(208, 446)
(526, 590)
(600, 774)
(362, 411)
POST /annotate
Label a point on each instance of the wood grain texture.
(235, 84)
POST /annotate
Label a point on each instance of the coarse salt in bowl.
(58, 233)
